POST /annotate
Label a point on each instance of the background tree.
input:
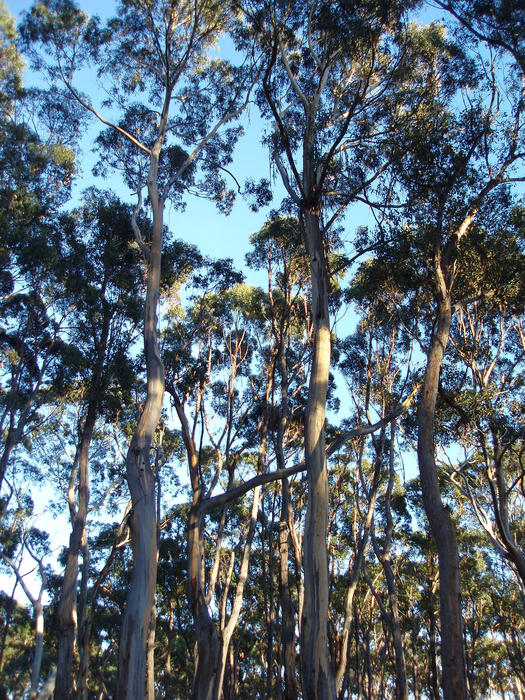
(155, 50)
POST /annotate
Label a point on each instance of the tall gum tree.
(99, 277)
(454, 164)
(158, 50)
(330, 72)
(219, 328)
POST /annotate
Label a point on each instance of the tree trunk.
(441, 523)
(135, 633)
(84, 638)
(385, 558)
(317, 674)
(206, 640)
(287, 612)
(136, 623)
(49, 686)
(150, 656)
(39, 648)
(238, 597)
(288, 653)
(67, 607)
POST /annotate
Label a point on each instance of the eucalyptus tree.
(485, 401)
(159, 51)
(26, 540)
(453, 167)
(99, 274)
(331, 71)
(452, 224)
(215, 395)
(37, 163)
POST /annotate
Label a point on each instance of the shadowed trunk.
(206, 640)
(136, 623)
(67, 607)
(317, 673)
(439, 517)
(287, 611)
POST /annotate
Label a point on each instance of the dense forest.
(311, 486)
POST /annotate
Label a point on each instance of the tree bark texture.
(136, 623)
(440, 520)
(317, 674)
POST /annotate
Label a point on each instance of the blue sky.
(215, 234)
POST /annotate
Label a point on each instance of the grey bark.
(317, 673)
(135, 633)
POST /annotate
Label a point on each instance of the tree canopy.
(297, 473)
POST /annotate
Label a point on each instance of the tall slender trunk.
(288, 653)
(85, 636)
(354, 575)
(206, 640)
(238, 597)
(136, 622)
(440, 520)
(206, 650)
(317, 673)
(39, 648)
(67, 607)
(385, 558)
(287, 612)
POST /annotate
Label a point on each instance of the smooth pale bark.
(67, 607)
(439, 517)
(317, 674)
(38, 610)
(140, 477)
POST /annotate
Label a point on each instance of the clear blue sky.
(215, 234)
